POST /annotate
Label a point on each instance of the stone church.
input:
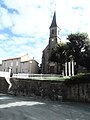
(49, 67)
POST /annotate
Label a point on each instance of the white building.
(23, 64)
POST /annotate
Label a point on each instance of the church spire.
(54, 23)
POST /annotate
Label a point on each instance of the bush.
(80, 78)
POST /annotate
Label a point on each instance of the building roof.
(11, 59)
(46, 48)
(23, 58)
(54, 23)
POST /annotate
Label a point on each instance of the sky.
(24, 24)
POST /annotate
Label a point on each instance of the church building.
(49, 67)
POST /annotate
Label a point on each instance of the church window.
(52, 31)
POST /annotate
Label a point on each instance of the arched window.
(52, 31)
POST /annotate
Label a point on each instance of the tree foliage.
(85, 57)
(59, 55)
(78, 47)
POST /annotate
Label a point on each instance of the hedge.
(80, 78)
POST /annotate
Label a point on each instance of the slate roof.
(54, 23)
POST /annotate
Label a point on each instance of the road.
(27, 108)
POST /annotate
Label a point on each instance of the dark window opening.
(53, 31)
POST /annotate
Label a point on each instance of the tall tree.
(77, 43)
(85, 57)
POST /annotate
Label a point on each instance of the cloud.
(73, 15)
(27, 22)
(3, 37)
(24, 24)
(30, 17)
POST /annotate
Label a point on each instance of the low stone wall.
(43, 88)
(54, 90)
(78, 92)
(3, 85)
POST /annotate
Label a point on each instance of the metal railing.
(4, 74)
(21, 75)
(35, 76)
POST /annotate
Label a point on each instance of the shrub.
(80, 78)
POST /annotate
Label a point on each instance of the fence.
(21, 75)
(6, 75)
(35, 76)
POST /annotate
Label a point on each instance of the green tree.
(85, 57)
(77, 43)
(59, 55)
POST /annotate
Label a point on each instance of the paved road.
(22, 108)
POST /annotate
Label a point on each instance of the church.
(49, 67)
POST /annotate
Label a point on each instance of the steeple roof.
(54, 24)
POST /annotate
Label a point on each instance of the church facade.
(49, 67)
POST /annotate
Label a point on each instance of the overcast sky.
(24, 24)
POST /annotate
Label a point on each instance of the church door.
(51, 69)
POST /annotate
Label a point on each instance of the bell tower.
(54, 39)
(54, 34)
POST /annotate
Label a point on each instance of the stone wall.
(54, 90)
(3, 85)
(43, 88)
(78, 92)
